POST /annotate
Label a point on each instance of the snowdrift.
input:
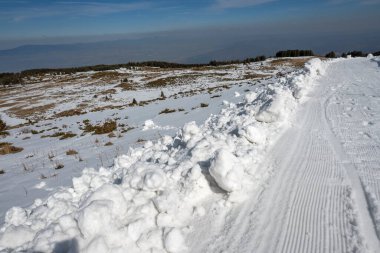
(148, 199)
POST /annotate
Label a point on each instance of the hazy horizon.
(64, 33)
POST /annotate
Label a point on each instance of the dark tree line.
(294, 53)
(331, 55)
(247, 60)
(10, 78)
(355, 54)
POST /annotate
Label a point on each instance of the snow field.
(148, 199)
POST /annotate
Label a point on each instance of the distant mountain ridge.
(179, 48)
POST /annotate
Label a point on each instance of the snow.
(148, 200)
(322, 193)
(227, 170)
(150, 125)
(174, 241)
(10, 120)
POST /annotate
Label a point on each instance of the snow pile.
(150, 125)
(302, 83)
(147, 200)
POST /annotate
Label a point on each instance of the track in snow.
(325, 191)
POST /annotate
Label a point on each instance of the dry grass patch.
(171, 80)
(127, 86)
(61, 135)
(105, 128)
(204, 68)
(167, 110)
(69, 113)
(109, 91)
(292, 62)
(254, 76)
(3, 128)
(106, 75)
(7, 148)
(108, 144)
(67, 135)
(22, 112)
(4, 104)
(71, 152)
(107, 107)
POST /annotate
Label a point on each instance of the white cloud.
(227, 4)
(72, 9)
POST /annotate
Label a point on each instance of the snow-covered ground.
(51, 104)
(289, 166)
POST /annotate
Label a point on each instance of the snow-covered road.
(324, 195)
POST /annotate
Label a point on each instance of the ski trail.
(324, 194)
(353, 114)
(364, 215)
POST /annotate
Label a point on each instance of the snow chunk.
(250, 97)
(254, 134)
(40, 185)
(15, 236)
(226, 170)
(154, 180)
(95, 218)
(276, 107)
(174, 241)
(150, 125)
(16, 216)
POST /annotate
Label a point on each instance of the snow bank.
(147, 200)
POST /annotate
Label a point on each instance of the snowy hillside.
(290, 164)
(88, 119)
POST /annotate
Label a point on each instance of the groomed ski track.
(324, 192)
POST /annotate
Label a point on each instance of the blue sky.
(42, 18)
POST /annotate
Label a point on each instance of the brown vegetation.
(105, 128)
(3, 128)
(171, 80)
(295, 62)
(167, 110)
(254, 76)
(106, 75)
(7, 148)
(127, 86)
(22, 112)
(108, 144)
(109, 91)
(61, 135)
(69, 113)
(71, 152)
